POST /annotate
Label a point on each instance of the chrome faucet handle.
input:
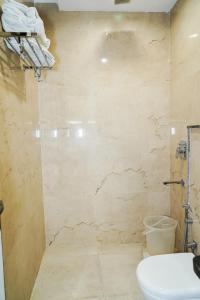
(181, 182)
(187, 206)
(193, 246)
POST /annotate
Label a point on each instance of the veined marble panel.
(185, 88)
(104, 113)
(21, 181)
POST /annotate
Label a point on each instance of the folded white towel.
(15, 46)
(18, 5)
(18, 17)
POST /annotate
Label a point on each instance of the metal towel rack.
(27, 61)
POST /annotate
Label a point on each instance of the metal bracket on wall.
(29, 60)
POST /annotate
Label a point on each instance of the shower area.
(104, 128)
(85, 151)
(104, 133)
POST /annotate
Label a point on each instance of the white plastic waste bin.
(160, 234)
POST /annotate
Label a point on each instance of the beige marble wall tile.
(21, 181)
(104, 113)
(185, 41)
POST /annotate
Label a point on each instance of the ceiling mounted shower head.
(122, 1)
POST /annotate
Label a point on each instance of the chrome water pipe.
(188, 220)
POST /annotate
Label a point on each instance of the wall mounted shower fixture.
(181, 150)
(121, 1)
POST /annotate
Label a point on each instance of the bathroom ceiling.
(108, 5)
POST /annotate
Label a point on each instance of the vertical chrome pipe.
(188, 218)
(187, 200)
(188, 164)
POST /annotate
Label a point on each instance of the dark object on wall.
(121, 1)
(196, 265)
(1, 207)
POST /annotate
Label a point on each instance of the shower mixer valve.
(181, 150)
(193, 246)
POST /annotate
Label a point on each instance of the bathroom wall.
(2, 285)
(104, 113)
(185, 107)
(20, 179)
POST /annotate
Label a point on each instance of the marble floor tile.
(118, 273)
(134, 249)
(72, 277)
(125, 297)
(116, 297)
(93, 273)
